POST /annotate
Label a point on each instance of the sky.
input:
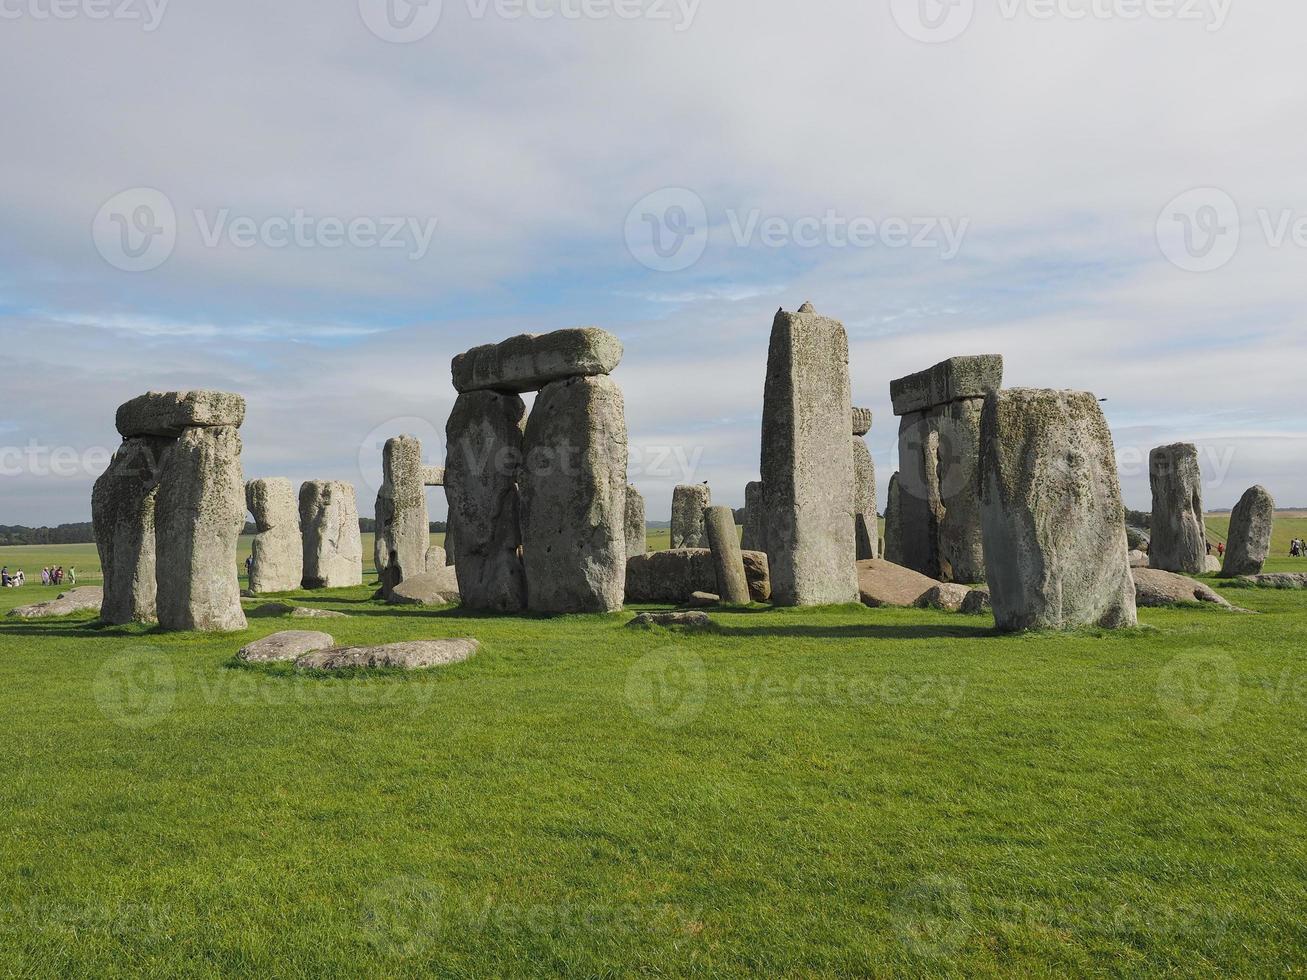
(318, 204)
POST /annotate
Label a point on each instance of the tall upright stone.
(199, 515)
(688, 504)
(1055, 543)
(484, 449)
(1249, 541)
(866, 528)
(278, 547)
(939, 448)
(403, 530)
(807, 469)
(574, 497)
(637, 529)
(1179, 536)
(123, 516)
(728, 561)
(333, 546)
(893, 523)
(755, 526)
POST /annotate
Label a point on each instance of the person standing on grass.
(249, 566)
(45, 576)
(72, 575)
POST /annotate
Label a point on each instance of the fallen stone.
(333, 546)
(807, 469)
(728, 563)
(303, 612)
(688, 504)
(409, 655)
(1138, 559)
(637, 531)
(882, 583)
(287, 645)
(199, 516)
(169, 413)
(85, 599)
(1249, 541)
(672, 576)
(1054, 526)
(436, 588)
(976, 603)
(1179, 539)
(947, 597)
(1277, 580)
(278, 547)
(1154, 587)
(123, 504)
(403, 531)
(952, 380)
(702, 600)
(267, 610)
(530, 361)
(692, 620)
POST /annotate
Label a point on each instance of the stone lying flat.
(1154, 587)
(1138, 559)
(693, 620)
(84, 599)
(167, 413)
(287, 645)
(435, 588)
(947, 597)
(303, 612)
(702, 600)
(882, 583)
(948, 381)
(976, 603)
(409, 655)
(268, 609)
(530, 361)
(1277, 580)
(672, 576)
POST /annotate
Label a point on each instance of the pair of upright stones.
(311, 543)
(539, 502)
(169, 510)
(402, 546)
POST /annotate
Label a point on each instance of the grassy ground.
(823, 792)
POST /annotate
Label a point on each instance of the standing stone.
(637, 530)
(1179, 537)
(807, 469)
(199, 516)
(333, 546)
(403, 530)
(1054, 530)
(278, 548)
(123, 516)
(451, 535)
(866, 529)
(1249, 541)
(728, 562)
(755, 527)
(484, 446)
(688, 505)
(893, 523)
(574, 497)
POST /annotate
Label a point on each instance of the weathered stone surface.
(1211, 564)
(278, 548)
(427, 589)
(637, 530)
(728, 563)
(403, 531)
(1179, 539)
(688, 504)
(976, 603)
(1277, 580)
(918, 495)
(436, 559)
(807, 469)
(691, 620)
(861, 421)
(199, 516)
(530, 361)
(333, 547)
(1154, 587)
(672, 576)
(286, 645)
(754, 537)
(484, 457)
(574, 497)
(866, 528)
(947, 597)
(702, 600)
(952, 380)
(1137, 538)
(433, 476)
(268, 610)
(302, 612)
(409, 655)
(85, 599)
(168, 413)
(123, 516)
(893, 523)
(1249, 540)
(1055, 542)
(882, 583)
(1138, 559)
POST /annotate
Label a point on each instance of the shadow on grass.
(867, 631)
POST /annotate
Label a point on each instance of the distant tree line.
(63, 534)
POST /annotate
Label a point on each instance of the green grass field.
(827, 792)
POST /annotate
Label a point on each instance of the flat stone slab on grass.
(693, 620)
(1277, 580)
(882, 583)
(287, 645)
(1154, 587)
(947, 597)
(435, 588)
(977, 603)
(85, 599)
(303, 612)
(409, 655)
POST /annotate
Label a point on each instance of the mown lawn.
(826, 792)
